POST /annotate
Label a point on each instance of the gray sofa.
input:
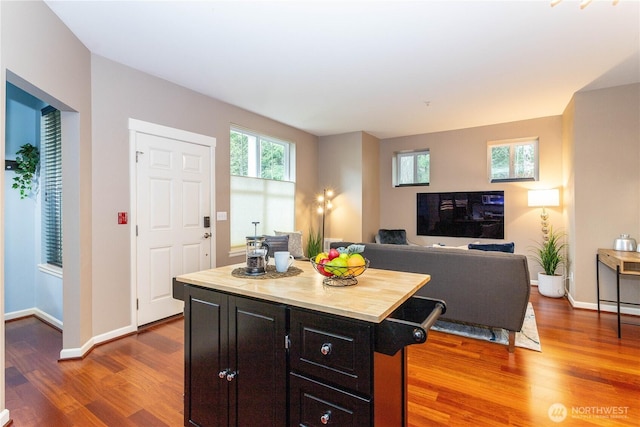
(479, 287)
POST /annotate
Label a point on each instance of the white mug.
(284, 260)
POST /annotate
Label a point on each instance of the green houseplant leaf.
(314, 243)
(550, 253)
(27, 159)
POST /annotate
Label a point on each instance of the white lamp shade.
(544, 198)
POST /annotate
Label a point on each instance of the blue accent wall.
(26, 288)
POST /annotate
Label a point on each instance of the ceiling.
(389, 68)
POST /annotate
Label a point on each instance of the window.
(262, 185)
(51, 175)
(259, 156)
(411, 168)
(513, 160)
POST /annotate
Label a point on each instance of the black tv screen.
(478, 214)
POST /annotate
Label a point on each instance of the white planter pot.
(551, 286)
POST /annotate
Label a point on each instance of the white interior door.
(173, 198)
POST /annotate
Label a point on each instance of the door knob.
(207, 235)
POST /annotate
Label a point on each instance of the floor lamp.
(324, 205)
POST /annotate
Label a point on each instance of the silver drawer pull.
(325, 350)
(325, 418)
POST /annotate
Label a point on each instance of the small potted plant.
(550, 255)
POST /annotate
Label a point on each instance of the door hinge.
(136, 231)
(137, 304)
(138, 155)
(287, 342)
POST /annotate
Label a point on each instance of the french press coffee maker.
(257, 254)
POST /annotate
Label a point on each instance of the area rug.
(527, 338)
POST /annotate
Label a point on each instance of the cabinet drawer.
(335, 350)
(316, 404)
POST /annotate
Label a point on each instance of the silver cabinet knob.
(223, 374)
(325, 349)
(325, 418)
(231, 375)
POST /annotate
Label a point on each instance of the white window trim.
(289, 153)
(51, 270)
(396, 167)
(289, 179)
(512, 143)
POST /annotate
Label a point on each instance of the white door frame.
(139, 126)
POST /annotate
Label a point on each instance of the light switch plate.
(221, 216)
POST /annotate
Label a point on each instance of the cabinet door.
(206, 350)
(259, 391)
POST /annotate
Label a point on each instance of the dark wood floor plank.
(452, 381)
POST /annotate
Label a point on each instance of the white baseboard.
(79, 352)
(606, 307)
(34, 312)
(70, 353)
(4, 417)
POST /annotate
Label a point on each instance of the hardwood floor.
(137, 380)
(134, 381)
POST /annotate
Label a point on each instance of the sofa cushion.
(497, 247)
(295, 242)
(393, 237)
(277, 243)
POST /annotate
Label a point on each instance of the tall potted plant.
(550, 255)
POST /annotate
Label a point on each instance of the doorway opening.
(32, 286)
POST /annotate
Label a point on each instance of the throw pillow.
(277, 243)
(393, 237)
(498, 247)
(295, 242)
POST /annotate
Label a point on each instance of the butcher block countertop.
(377, 294)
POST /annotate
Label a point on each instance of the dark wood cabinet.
(265, 353)
(235, 360)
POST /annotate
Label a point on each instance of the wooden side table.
(624, 263)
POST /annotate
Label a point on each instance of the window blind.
(51, 185)
(268, 201)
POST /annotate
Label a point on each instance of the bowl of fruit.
(341, 266)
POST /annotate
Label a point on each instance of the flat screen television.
(477, 214)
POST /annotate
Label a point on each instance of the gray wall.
(603, 154)
(120, 93)
(459, 163)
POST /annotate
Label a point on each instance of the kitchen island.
(293, 351)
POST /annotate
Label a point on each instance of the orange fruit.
(356, 263)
